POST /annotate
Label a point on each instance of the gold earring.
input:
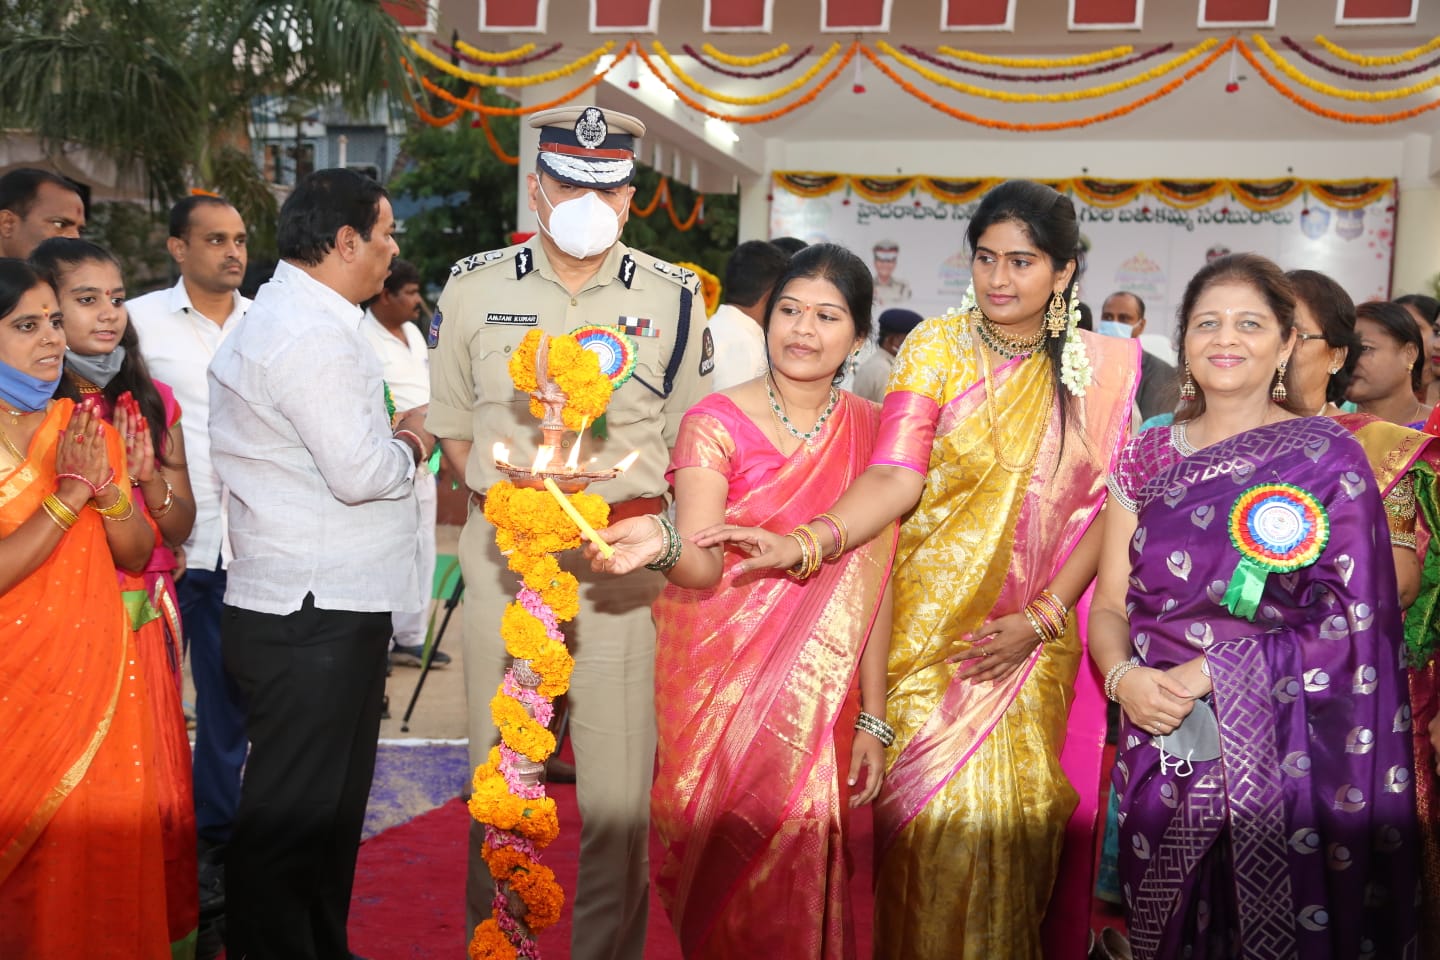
(1056, 315)
(1278, 393)
(1187, 389)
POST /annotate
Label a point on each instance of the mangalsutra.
(784, 420)
(1006, 346)
(1028, 465)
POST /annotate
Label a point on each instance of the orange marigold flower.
(490, 943)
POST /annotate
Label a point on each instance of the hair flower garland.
(1075, 370)
(709, 285)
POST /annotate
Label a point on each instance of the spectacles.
(1304, 337)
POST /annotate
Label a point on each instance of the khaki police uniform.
(490, 302)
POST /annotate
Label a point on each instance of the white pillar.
(754, 207)
(1417, 221)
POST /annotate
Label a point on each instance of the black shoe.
(414, 657)
(385, 707)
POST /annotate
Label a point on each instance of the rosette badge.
(1276, 528)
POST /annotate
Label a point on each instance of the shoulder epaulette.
(490, 257)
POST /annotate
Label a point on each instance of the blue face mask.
(1113, 328)
(24, 392)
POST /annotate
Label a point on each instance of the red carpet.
(409, 896)
(409, 899)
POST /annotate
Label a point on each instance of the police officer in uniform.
(573, 273)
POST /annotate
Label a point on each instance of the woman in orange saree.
(80, 854)
(106, 375)
(998, 429)
(756, 677)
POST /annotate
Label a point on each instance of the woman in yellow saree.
(761, 681)
(81, 861)
(998, 430)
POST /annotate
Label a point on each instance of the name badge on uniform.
(638, 326)
(513, 319)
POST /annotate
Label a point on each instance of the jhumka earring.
(1187, 389)
(1056, 316)
(1278, 393)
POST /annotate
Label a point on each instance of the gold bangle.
(62, 511)
(54, 514)
(121, 509)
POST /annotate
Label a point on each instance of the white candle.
(588, 531)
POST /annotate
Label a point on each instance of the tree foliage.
(164, 88)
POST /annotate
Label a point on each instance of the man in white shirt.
(873, 376)
(322, 516)
(180, 329)
(737, 326)
(390, 328)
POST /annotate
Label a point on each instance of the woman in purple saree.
(1264, 767)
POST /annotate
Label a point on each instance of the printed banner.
(915, 240)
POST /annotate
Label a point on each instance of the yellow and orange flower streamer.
(1007, 96)
(1364, 61)
(662, 197)
(823, 72)
(1041, 63)
(1258, 195)
(731, 60)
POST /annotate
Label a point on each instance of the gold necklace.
(1003, 344)
(1034, 454)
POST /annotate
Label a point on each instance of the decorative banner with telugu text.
(915, 244)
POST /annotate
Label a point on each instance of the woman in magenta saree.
(762, 679)
(1247, 620)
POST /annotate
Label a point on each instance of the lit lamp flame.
(573, 463)
(628, 461)
(542, 459)
(501, 453)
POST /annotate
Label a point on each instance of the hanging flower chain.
(1075, 370)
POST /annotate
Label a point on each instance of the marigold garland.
(490, 80)
(494, 143)
(1111, 67)
(755, 101)
(490, 943)
(1082, 60)
(1364, 61)
(574, 369)
(517, 62)
(1006, 96)
(699, 58)
(709, 285)
(488, 110)
(696, 105)
(1315, 61)
(1365, 96)
(1295, 98)
(429, 118)
(1121, 111)
(520, 732)
(498, 58)
(734, 60)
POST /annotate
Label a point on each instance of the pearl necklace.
(784, 420)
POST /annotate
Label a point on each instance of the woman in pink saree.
(998, 429)
(756, 676)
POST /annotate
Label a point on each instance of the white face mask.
(584, 227)
(1114, 328)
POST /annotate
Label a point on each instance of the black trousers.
(312, 681)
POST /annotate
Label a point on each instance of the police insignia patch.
(590, 128)
(432, 339)
(524, 263)
(707, 354)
